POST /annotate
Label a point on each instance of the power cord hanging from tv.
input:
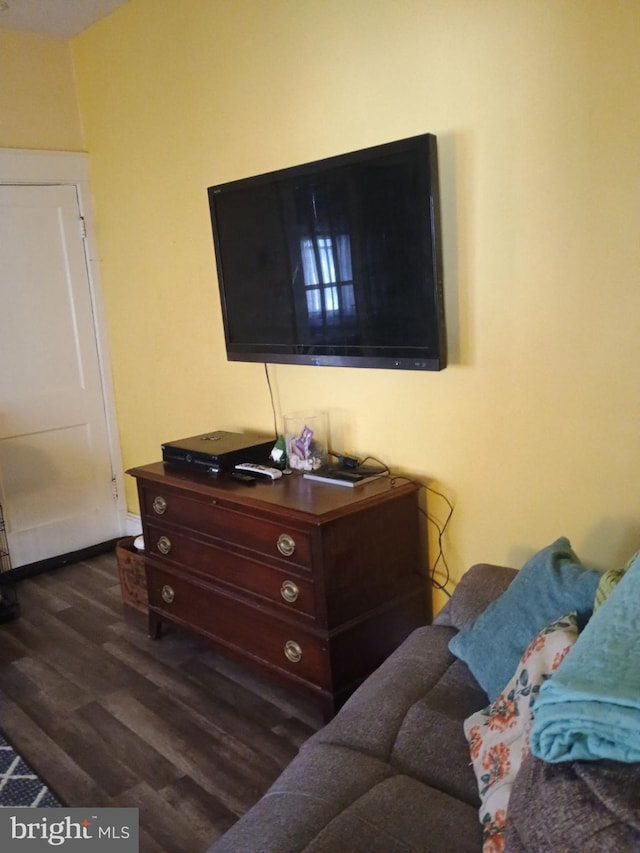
(273, 405)
(354, 462)
(441, 558)
(440, 528)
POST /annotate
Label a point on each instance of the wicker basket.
(9, 604)
(133, 581)
(5, 559)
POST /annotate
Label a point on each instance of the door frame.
(42, 168)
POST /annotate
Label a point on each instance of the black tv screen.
(335, 262)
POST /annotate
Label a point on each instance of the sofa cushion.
(430, 744)
(550, 584)
(331, 798)
(372, 717)
(400, 814)
(391, 771)
(410, 712)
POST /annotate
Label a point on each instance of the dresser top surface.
(292, 493)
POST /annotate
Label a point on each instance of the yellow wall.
(533, 428)
(38, 105)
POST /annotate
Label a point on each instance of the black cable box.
(218, 451)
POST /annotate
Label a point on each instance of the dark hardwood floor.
(109, 717)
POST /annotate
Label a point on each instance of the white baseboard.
(134, 524)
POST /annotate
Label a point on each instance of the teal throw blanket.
(590, 708)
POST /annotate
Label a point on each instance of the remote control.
(259, 470)
(247, 479)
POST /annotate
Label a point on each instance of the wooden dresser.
(310, 584)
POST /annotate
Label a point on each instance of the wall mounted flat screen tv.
(335, 262)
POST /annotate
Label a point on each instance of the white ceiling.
(62, 18)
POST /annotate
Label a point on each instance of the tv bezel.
(425, 145)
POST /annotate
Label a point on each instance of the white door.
(56, 477)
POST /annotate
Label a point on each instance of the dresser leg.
(155, 626)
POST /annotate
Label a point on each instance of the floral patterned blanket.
(498, 735)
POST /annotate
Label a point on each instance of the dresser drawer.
(241, 572)
(244, 629)
(209, 517)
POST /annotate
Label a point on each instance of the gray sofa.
(391, 771)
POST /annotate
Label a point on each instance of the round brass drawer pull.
(164, 544)
(159, 505)
(293, 651)
(168, 594)
(289, 591)
(286, 544)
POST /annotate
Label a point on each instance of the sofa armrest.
(591, 806)
(476, 589)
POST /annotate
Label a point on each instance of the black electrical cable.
(273, 405)
(441, 585)
(440, 528)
